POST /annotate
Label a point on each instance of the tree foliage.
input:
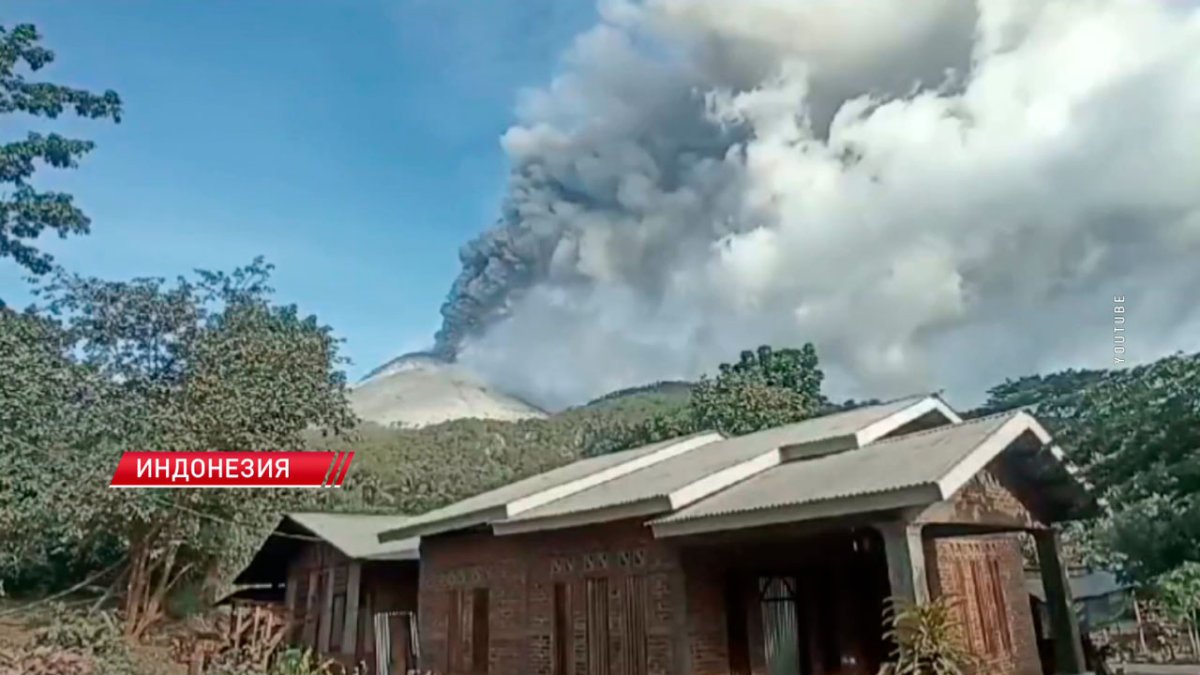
(1033, 390)
(1136, 434)
(1178, 591)
(764, 388)
(26, 212)
(200, 364)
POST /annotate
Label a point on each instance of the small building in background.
(1101, 599)
(348, 596)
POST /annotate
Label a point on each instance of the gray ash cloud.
(938, 194)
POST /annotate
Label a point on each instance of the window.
(737, 636)
(337, 618)
(479, 631)
(454, 636)
(781, 630)
(987, 587)
(999, 606)
(597, 626)
(561, 638)
(634, 616)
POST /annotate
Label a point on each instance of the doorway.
(817, 612)
(395, 643)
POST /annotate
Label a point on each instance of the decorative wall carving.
(599, 561)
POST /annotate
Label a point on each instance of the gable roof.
(357, 535)
(662, 477)
(914, 469)
(531, 492)
(354, 535)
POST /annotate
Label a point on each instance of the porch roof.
(659, 478)
(914, 469)
(353, 534)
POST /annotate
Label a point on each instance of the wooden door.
(400, 627)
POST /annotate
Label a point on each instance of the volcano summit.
(420, 389)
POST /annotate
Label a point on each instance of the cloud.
(937, 194)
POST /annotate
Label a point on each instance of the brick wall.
(963, 568)
(520, 573)
(685, 594)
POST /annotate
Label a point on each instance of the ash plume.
(894, 181)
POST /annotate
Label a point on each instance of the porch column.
(905, 552)
(350, 630)
(1068, 648)
(289, 594)
(291, 601)
(308, 633)
(326, 613)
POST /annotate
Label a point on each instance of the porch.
(809, 599)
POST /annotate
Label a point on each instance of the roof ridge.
(835, 413)
(346, 513)
(944, 427)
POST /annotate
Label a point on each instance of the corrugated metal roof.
(660, 480)
(1083, 586)
(498, 498)
(357, 535)
(911, 460)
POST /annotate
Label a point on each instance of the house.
(350, 597)
(772, 552)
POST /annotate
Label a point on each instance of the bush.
(73, 643)
(927, 638)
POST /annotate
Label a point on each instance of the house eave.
(916, 495)
(637, 509)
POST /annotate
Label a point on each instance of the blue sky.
(354, 143)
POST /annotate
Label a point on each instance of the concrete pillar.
(350, 629)
(1064, 625)
(905, 552)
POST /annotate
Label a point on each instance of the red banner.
(232, 469)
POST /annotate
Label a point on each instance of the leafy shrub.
(928, 639)
(73, 643)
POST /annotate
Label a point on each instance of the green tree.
(1136, 434)
(764, 388)
(52, 410)
(26, 212)
(1178, 593)
(209, 364)
(1034, 390)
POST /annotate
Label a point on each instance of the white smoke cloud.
(938, 194)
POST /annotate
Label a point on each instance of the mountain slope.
(418, 390)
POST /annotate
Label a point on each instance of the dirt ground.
(1150, 669)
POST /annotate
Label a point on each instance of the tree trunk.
(152, 575)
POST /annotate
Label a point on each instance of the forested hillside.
(1135, 432)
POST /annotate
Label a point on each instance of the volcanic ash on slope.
(417, 390)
